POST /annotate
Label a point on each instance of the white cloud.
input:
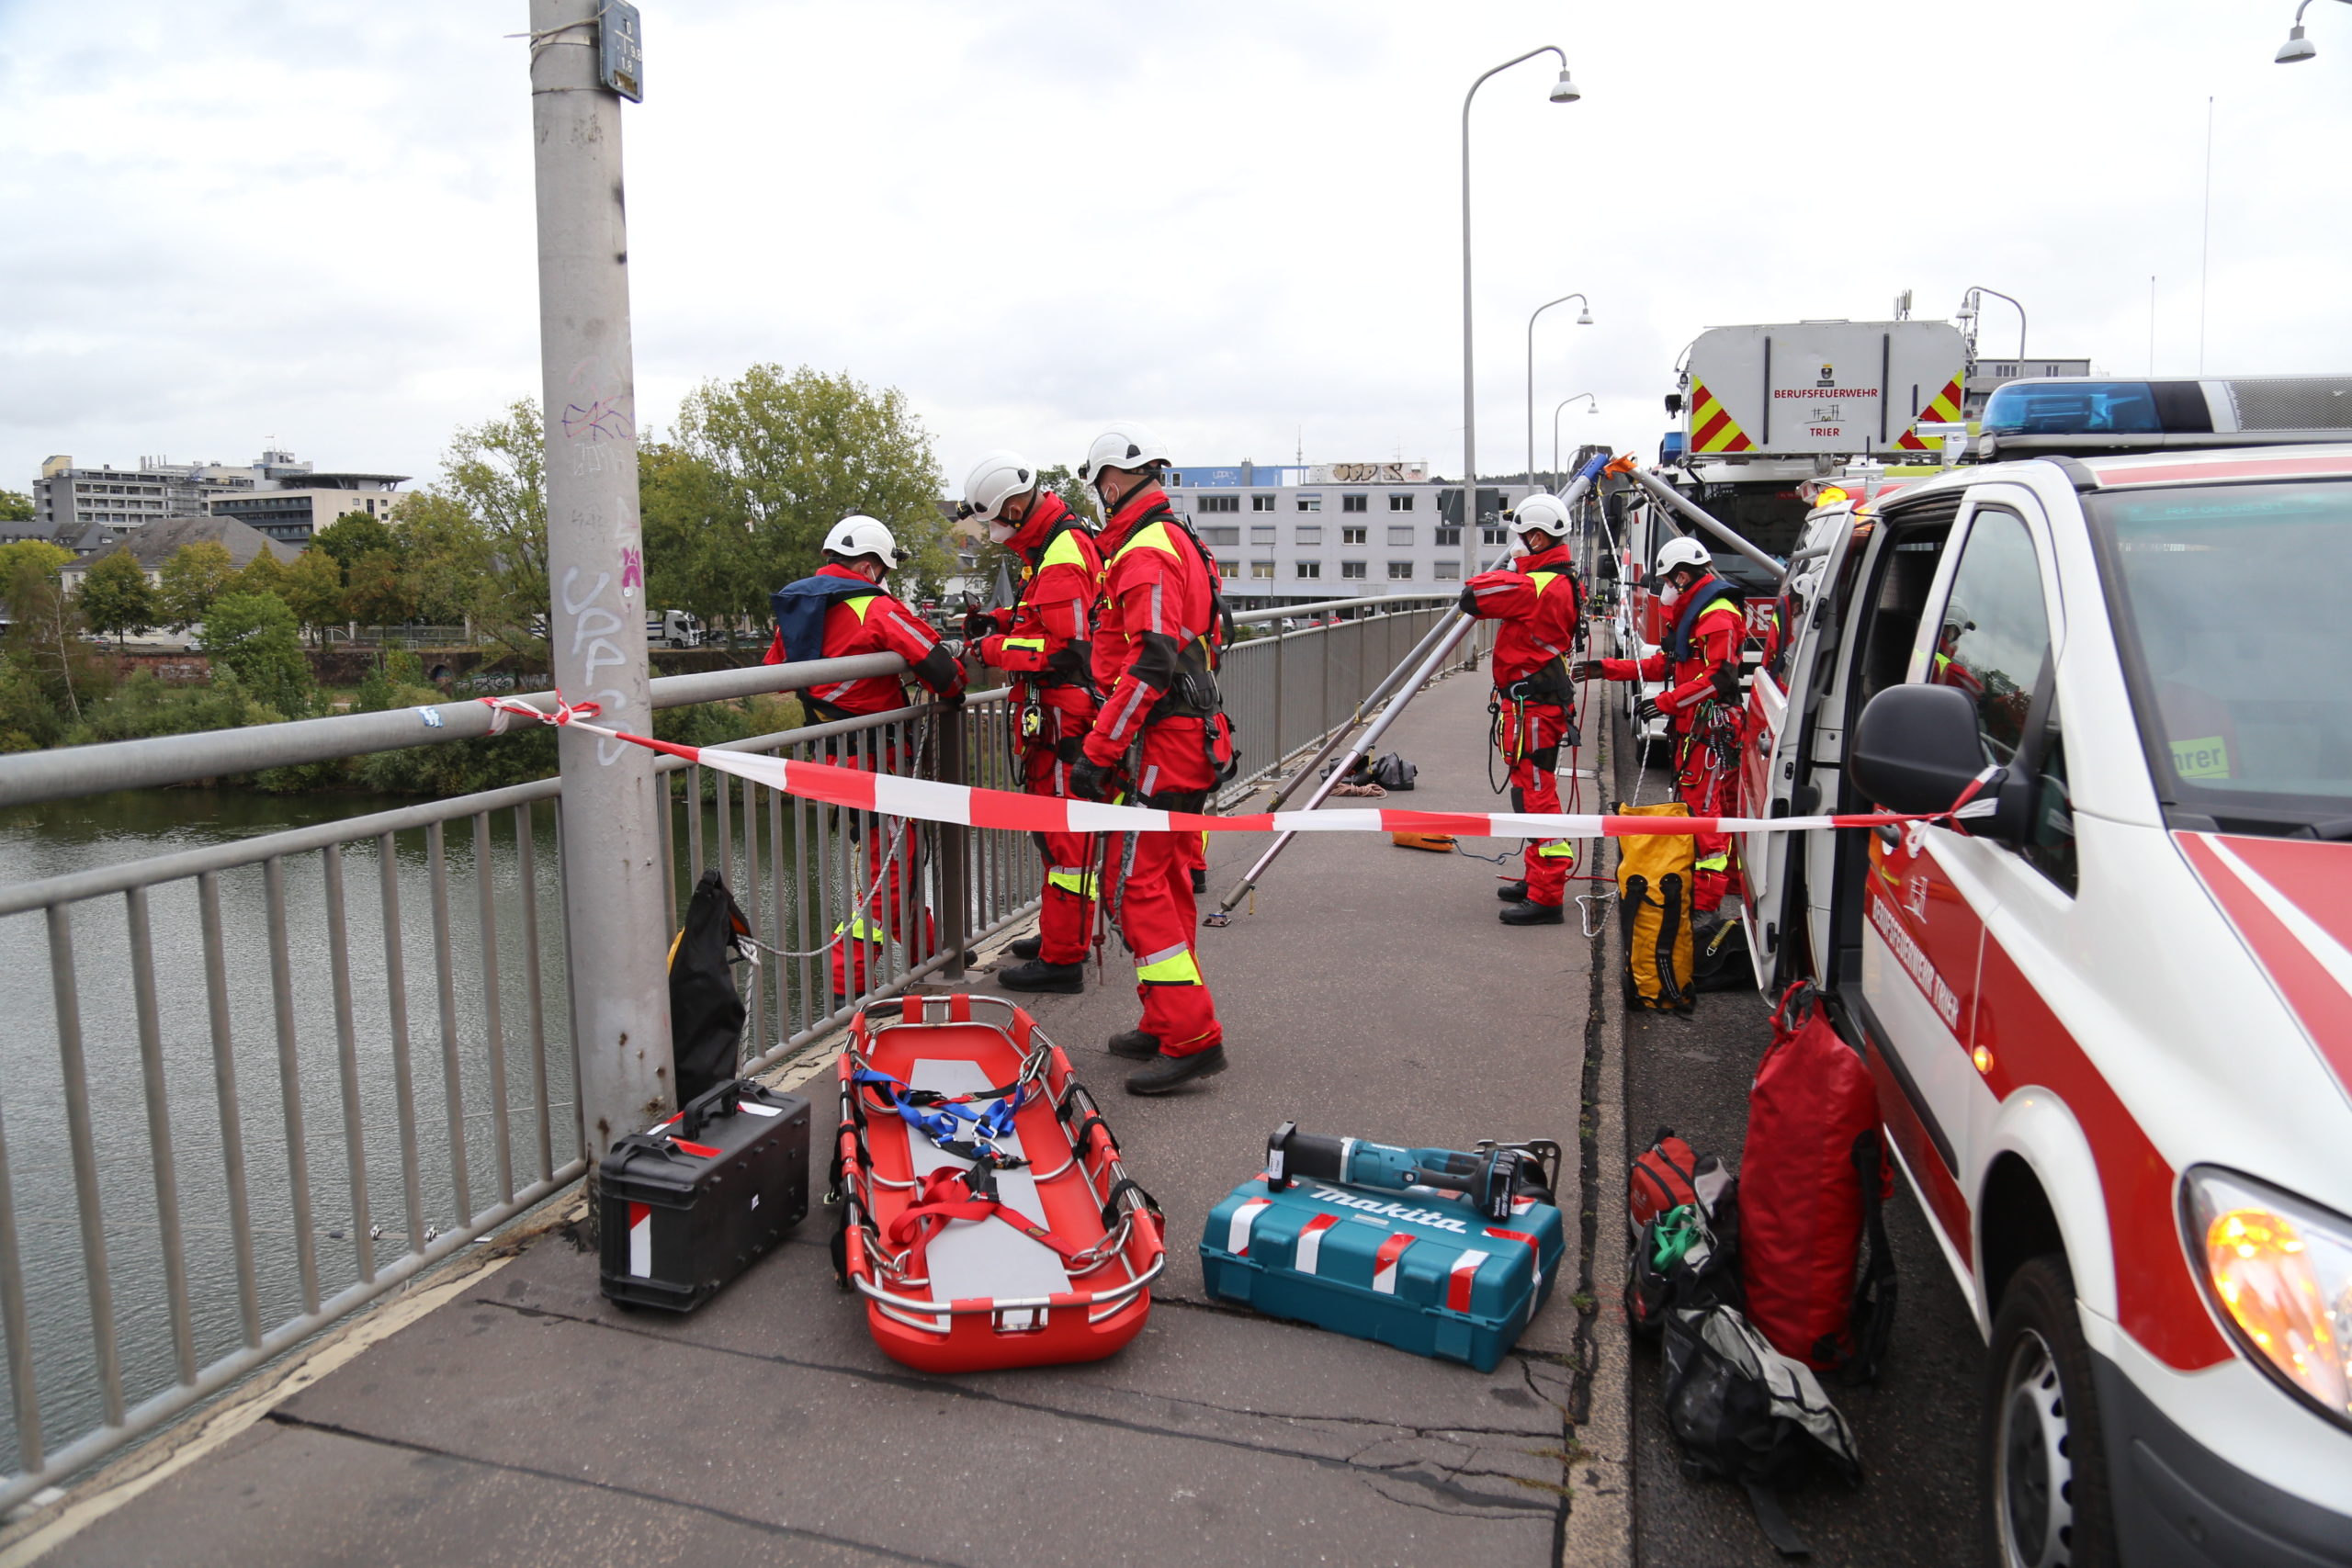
(1240, 222)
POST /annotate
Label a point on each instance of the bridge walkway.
(1370, 992)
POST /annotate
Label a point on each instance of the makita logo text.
(1429, 1217)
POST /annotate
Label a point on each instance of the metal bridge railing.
(291, 1072)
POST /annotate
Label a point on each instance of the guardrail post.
(954, 845)
(613, 889)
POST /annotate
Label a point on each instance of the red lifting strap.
(947, 1195)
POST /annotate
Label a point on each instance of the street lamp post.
(1563, 91)
(1974, 307)
(1583, 319)
(2297, 48)
(1555, 424)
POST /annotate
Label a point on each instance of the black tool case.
(693, 1201)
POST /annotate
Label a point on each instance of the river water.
(453, 1072)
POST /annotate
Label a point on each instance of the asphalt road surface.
(1915, 1427)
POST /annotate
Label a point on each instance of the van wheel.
(2042, 1457)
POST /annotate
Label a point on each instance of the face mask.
(1669, 595)
(1003, 532)
(1519, 546)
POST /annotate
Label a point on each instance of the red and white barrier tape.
(928, 800)
(503, 709)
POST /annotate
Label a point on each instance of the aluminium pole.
(1690, 510)
(612, 891)
(1454, 628)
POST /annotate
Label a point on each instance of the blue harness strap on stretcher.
(937, 1116)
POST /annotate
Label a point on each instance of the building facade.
(1295, 533)
(290, 512)
(276, 493)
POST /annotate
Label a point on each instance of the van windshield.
(2229, 603)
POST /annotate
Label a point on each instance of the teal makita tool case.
(1435, 1276)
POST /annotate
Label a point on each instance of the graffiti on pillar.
(632, 569)
(594, 625)
(597, 406)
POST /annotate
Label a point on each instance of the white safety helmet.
(858, 534)
(1124, 445)
(1540, 514)
(1684, 551)
(996, 478)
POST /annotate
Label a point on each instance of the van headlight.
(2279, 1273)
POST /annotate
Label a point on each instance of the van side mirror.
(1916, 748)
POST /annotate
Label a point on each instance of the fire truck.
(1773, 414)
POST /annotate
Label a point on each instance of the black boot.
(1039, 976)
(1026, 947)
(1511, 892)
(1164, 1072)
(1134, 1045)
(1200, 880)
(1526, 914)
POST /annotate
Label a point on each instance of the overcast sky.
(240, 220)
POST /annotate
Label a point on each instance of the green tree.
(192, 579)
(448, 561)
(116, 596)
(45, 645)
(699, 551)
(255, 634)
(376, 591)
(353, 535)
(496, 472)
(144, 706)
(795, 453)
(313, 589)
(38, 553)
(15, 506)
(263, 574)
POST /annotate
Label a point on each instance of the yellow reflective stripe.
(1558, 849)
(1036, 642)
(1072, 880)
(863, 603)
(1154, 537)
(862, 929)
(1542, 580)
(1713, 863)
(1173, 967)
(1063, 551)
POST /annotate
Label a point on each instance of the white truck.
(2110, 1025)
(672, 628)
(1771, 410)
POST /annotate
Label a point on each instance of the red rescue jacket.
(876, 622)
(1045, 639)
(1539, 603)
(1155, 627)
(1716, 638)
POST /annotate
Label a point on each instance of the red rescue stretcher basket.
(1060, 1270)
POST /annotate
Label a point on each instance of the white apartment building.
(1292, 534)
(68, 499)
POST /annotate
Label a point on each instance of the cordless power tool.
(1488, 1178)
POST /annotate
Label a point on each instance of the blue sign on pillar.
(621, 49)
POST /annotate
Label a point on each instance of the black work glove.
(1727, 683)
(1585, 670)
(978, 624)
(1089, 780)
(1468, 602)
(1647, 710)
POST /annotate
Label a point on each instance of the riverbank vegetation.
(734, 503)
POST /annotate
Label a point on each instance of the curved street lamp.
(1563, 91)
(2297, 48)
(1555, 425)
(1583, 319)
(1972, 307)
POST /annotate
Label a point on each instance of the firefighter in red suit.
(1160, 740)
(844, 610)
(1701, 666)
(1540, 604)
(1044, 642)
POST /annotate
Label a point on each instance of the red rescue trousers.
(1702, 785)
(1529, 736)
(1066, 923)
(1159, 920)
(870, 925)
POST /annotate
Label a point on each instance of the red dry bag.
(1812, 1180)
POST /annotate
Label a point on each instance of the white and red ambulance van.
(2111, 1025)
